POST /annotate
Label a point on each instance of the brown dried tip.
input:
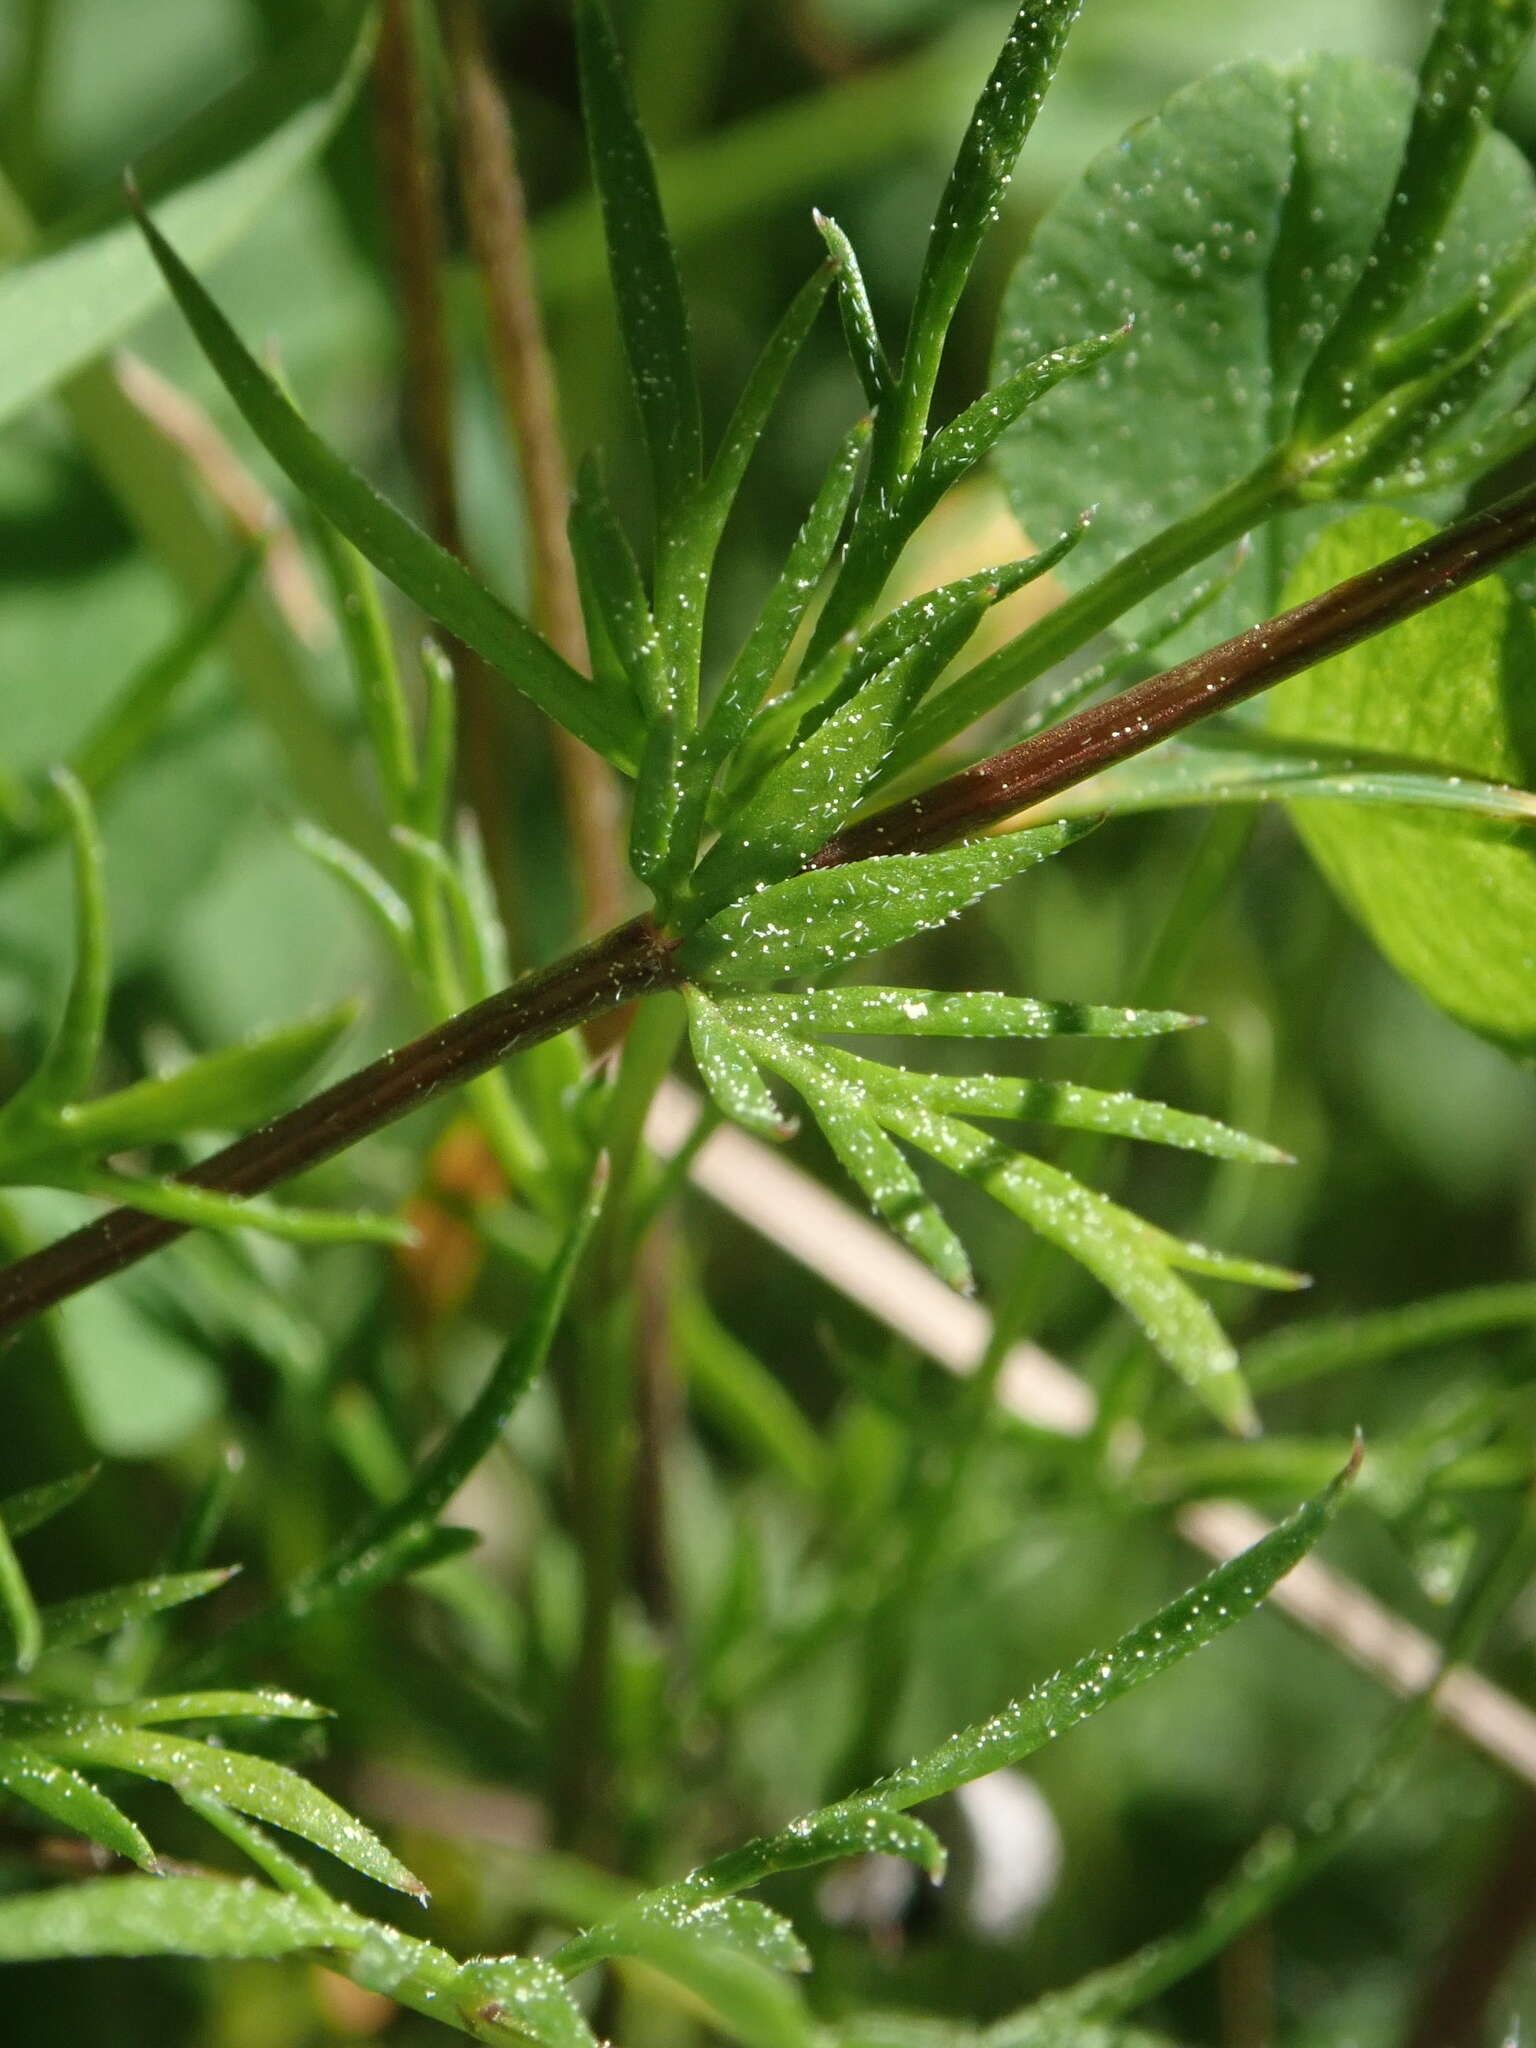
(1356, 1457)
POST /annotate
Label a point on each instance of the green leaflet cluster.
(50, 1746)
(735, 1956)
(869, 1111)
(808, 718)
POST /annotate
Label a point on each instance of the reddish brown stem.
(496, 216)
(411, 182)
(636, 959)
(1097, 738)
(632, 961)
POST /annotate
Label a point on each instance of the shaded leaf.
(748, 422)
(371, 653)
(1308, 1350)
(67, 1065)
(207, 1209)
(388, 1542)
(136, 713)
(67, 1623)
(769, 642)
(613, 592)
(35, 1505)
(1232, 766)
(75, 297)
(19, 1608)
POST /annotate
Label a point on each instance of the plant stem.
(636, 959)
(629, 962)
(498, 228)
(412, 186)
(1126, 725)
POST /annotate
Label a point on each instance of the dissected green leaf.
(938, 1013)
(1054, 1102)
(413, 562)
(744, 1924)
(769, 642)
(882, 1171)
(803, 799)
(236, 1087)
(85, 290)
(1451, 901)
(380, 899)
(730, 1072)
(956, 448)
(139, 709)
(250, 1784)
(1121, 1252)
(27, 1718)
(654, 839)
(67, 1065)
(1467, 65)
(999, 124)
(71, 1801)
(207, 1209)
(1233, 226)
(925, 634)
(613, 592)
(859, 329)
(523, 1996)
(821, 919)
(1025, 1725)
(750, 419)
(371, 652)
(388, 1542)
(748, 1999)
(1307, 1350)
(646, 285)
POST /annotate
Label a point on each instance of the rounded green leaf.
(1450, 900)
(1231, 227)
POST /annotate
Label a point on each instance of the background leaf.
(1232, 227)
(1452, 903)
(70, 302)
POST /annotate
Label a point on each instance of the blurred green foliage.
(317, 1368)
